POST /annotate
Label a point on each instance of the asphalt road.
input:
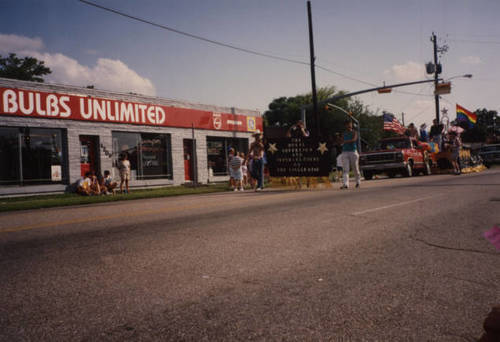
(397, 260)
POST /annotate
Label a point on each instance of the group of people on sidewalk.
(94, 184)
(247, 169)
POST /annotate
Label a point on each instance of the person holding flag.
(350, 156)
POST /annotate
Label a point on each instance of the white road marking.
(394, 205)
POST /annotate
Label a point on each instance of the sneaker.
(235, 189)
(241, 189)
(344, 187)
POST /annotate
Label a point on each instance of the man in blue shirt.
(350, 156)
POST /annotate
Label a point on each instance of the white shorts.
(235, 174)
(125, 176)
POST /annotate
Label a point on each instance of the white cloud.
(19, 44)
(410, 71)
(108, 74)
(473, 60)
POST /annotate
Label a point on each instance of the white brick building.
(51, 134)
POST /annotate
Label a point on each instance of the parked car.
(400, 155)
(490, 154)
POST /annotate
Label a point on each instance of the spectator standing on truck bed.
(423, 133)
(412, 131)
(436, 132)
(350, 156)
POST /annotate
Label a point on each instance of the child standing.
(235, 166)
(124, 167)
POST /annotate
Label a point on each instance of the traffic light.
(430, 68)
(384, 90)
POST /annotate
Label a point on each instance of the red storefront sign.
(35, 104)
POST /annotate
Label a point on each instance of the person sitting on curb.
(83, 187)
(109, 185)
(95, 187)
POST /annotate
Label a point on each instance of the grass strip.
(63, 200)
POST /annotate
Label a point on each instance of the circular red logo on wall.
(217, 120)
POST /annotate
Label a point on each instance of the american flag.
(392, 124)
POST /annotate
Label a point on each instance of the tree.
(285, 111)
(26, 69)
(483, 129)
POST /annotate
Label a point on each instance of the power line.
(410, 93)
(422, 88)
(234, 47)
(345, 76)
(193, 35)
(366, 82)
(226, 45)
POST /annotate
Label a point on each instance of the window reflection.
(149, 154)
(217, 151)
(31, 155)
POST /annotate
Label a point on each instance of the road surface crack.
(435, 245)
(430, 244)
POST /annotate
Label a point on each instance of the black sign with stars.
(298, 157)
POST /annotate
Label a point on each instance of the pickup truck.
(400, 155)
(490, 154)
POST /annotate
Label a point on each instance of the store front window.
(31, 156)
(149, 154)
(217, 152)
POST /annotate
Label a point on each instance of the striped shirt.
(235, 163)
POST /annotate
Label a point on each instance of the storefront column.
(178, 157)
(74, 156)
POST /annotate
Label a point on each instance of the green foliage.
(483, 129)
(285, 111)
(26, 69)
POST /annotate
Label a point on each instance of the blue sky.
(372, 41)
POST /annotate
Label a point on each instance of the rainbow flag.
(464, 115)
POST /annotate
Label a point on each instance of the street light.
(444, 88)
(460, 76)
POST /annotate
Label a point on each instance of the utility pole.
(403, 118)
(436, 72)
(313, 75)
